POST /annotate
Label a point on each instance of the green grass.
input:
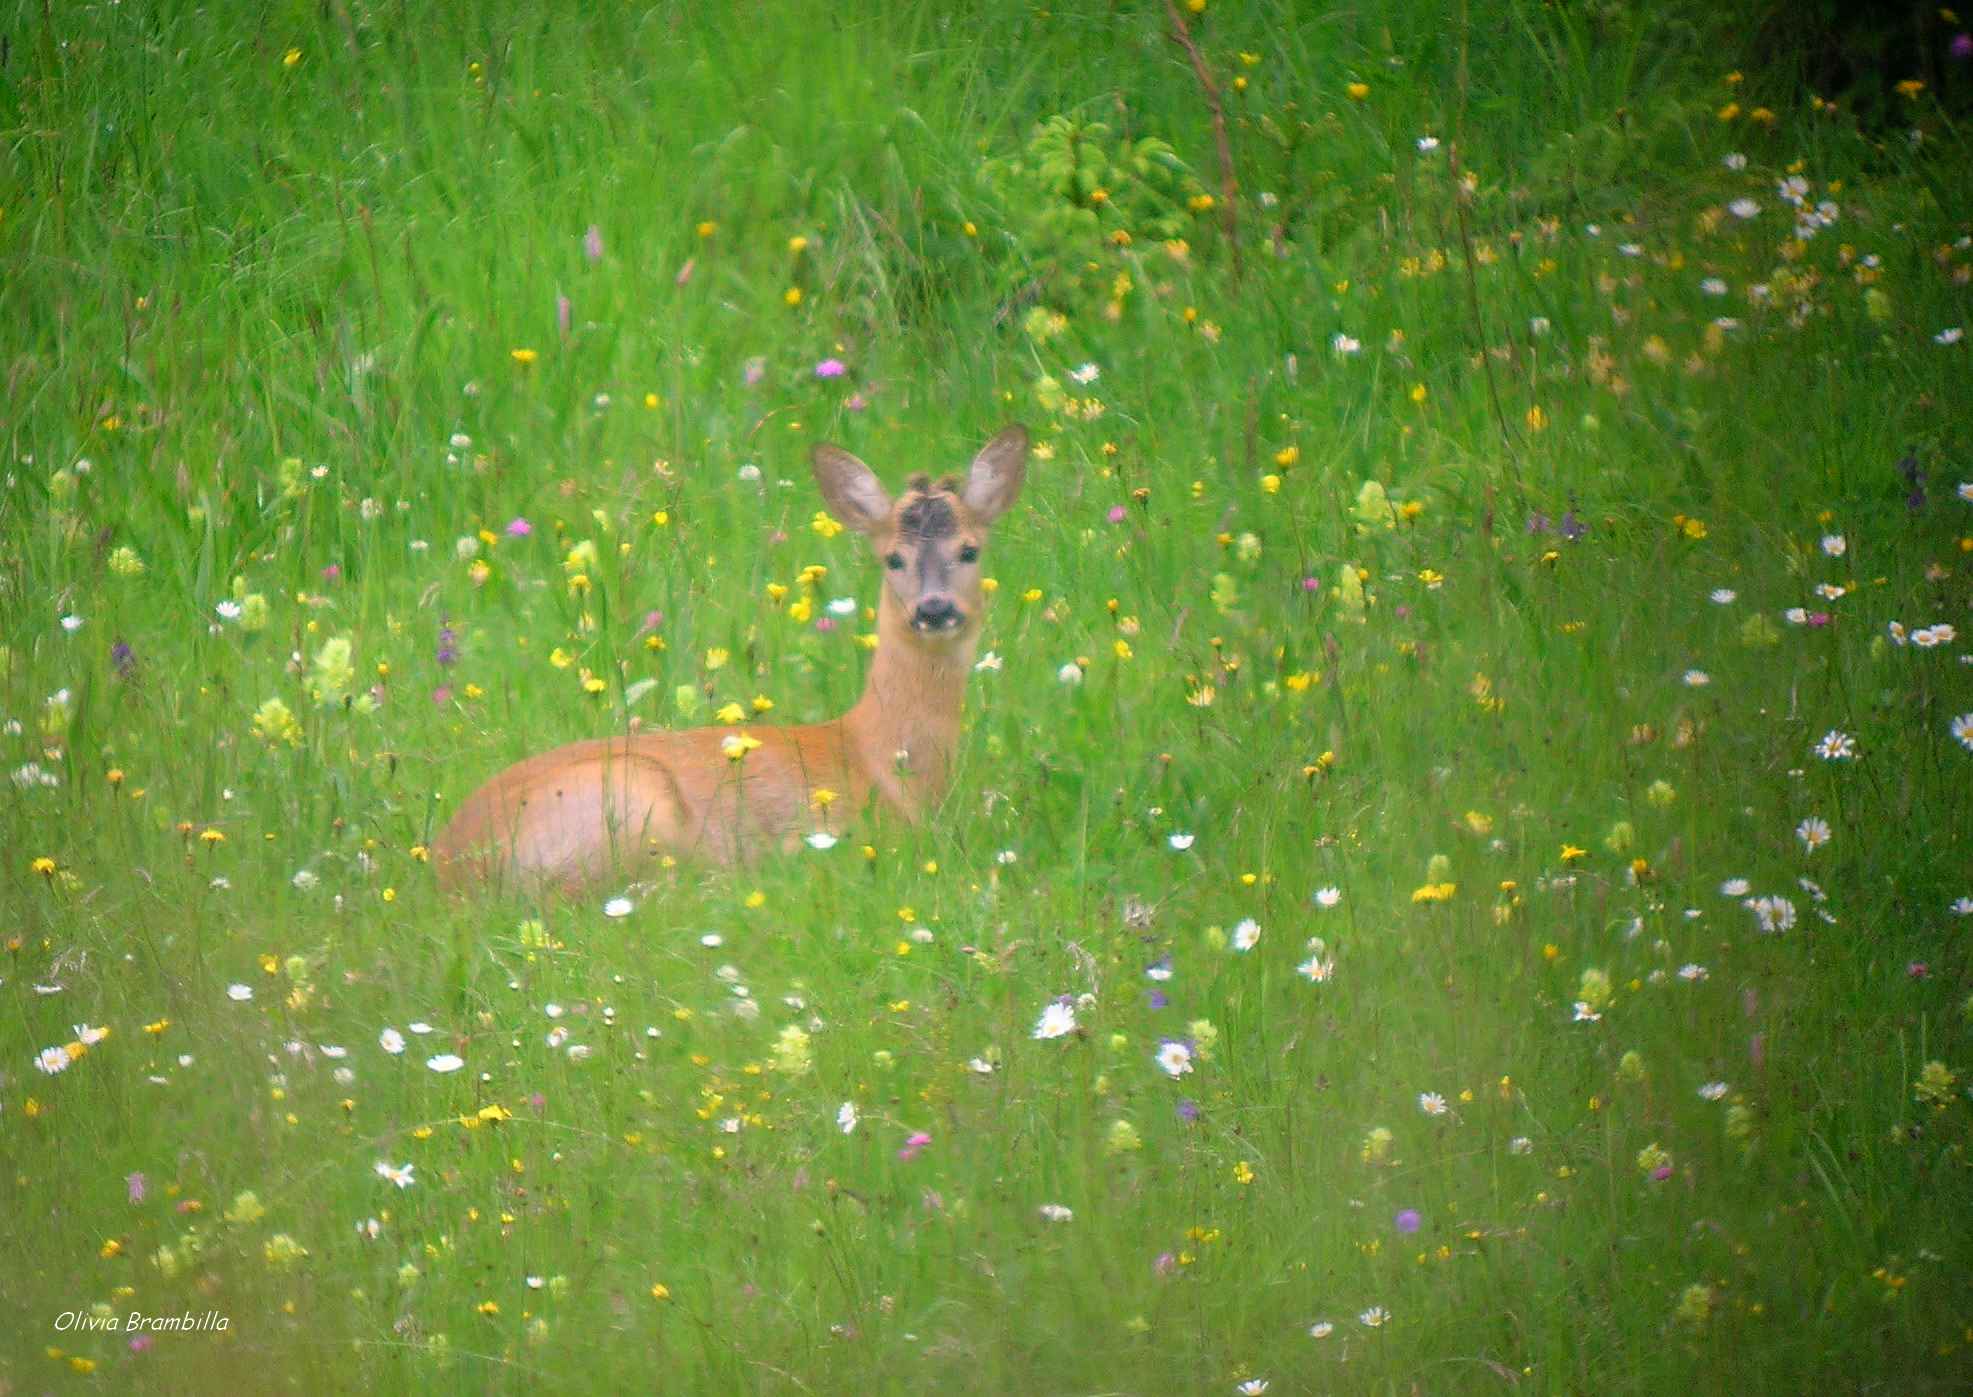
(260, 321)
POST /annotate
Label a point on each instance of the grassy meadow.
(1460, 872)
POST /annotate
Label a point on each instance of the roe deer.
(568, 816)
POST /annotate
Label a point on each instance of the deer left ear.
(996, 474)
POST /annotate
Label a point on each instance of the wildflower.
(1773, 914)
(1174, 1057)
(1055, 1212)
(445, 1062)
(399, 1174)
(52, 1061)
(1122, 1138)
(246, 1209)
(1057, 1020)
(1712, 1091)
(1180, 842)
(1344, 345)
(791, 1051)
(1407, 1221)
(735, 746)
(1744, 208)
(1961, 728)
(1432, 1104)
(1935, 1084)
(1695, 1305)
(1836, 746)
(1327, 897)
(1246, 935)
(830, 368)
(281, 1250)
(1723, 596)
(238, 993)
(1321, 1329)
(1319, 967)
(913, 1143)
(1654, 1158)
(274, 722)
(619, 907)
(1377, 1146)
(1375, 1317)
(391, 1041)
(1813, 832)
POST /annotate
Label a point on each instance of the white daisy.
(1836, 746)
(1174, 1057)
(1057, 1019)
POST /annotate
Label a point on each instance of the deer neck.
(905, 728)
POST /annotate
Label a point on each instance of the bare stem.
(1460, 198)
(1229, 188)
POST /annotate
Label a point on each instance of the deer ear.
(851, 489)
(996, 474)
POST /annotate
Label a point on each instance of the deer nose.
(935, 614)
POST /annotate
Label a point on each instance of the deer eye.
(895, 562)
(969, 554)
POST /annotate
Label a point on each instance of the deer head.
(929, 539)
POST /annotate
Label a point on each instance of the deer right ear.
(850, 488)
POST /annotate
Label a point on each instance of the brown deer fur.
(571, 815)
